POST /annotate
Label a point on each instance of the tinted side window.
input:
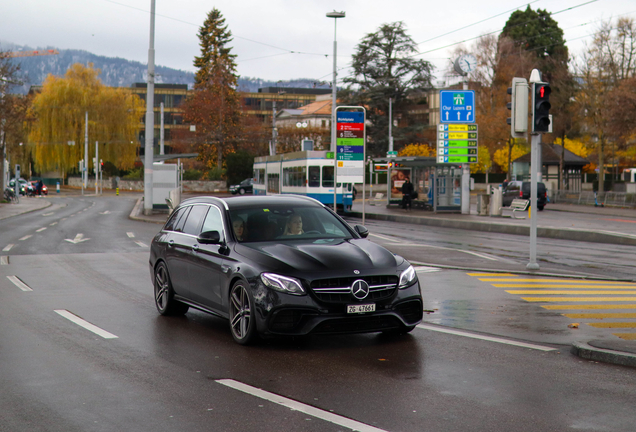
(327, 176)
(194, 219)
(213, 221)
(314, 176)
(174, 220)
(178, 226)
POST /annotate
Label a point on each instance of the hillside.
(117, 72)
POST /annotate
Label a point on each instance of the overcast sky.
(265, 32)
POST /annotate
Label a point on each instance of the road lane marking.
(559, 281)
(17, 282)
(26, 237)
(486, 338)
(64, 218)
(130, 235)
(626, 336)
(586, 307)
(79, 238)
(579, 299)
(584, 292)
(391, 239)
(562, 286)
(53, 224)
(601, 315)
(4, 260)
(41, 229)
(426, 269)
(48, 214)
(480, 255)
(7, 248)
(85, 324)
(141, 244)
(299, 406)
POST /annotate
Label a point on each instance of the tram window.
(327, 176)
(314, 176)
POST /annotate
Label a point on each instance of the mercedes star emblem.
(360, 289)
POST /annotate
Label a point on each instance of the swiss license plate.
(361, 308)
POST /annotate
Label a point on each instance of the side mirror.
(362, 230)
(209, 237)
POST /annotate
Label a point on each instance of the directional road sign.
(457, 106)
(457, 143)
(350, 136)
(456, 159)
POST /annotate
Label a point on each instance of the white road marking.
(48, 214)
(486, 338)
(26, 237)
(4, 260)
(78, 239)
(7, 248)
(130, 234)
(488, 257)
(141, 244)
(17, 282)
(386, 238)
(426, 269)
(41, 229)
(53, 224)
(64, 219)
(105, 212)
(299, 406)
(85, 324)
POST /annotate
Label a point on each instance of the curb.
(583, 350)
(48, 204)
(134, 214)
(548, 232)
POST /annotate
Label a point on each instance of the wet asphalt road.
(156, 373)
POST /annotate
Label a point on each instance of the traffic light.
(518, 107)
(541, 107)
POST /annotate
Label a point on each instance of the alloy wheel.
(240, 313)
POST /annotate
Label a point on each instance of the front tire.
(241, 191)
(164, 294)
(242, 314)
(540, 208)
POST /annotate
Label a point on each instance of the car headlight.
(407, 278)
(282, 283)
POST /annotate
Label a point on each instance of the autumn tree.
(290, 138)
(215, 105)
(10, 113)
(58, 118)
(384, 67)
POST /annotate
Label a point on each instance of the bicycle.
(11, 196)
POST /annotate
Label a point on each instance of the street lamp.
(335, 15)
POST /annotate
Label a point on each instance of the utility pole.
(96, 168)
(272, 144)
(391, 124)
(161, 149)
(150, 116)
(465, 194)
(85, 172)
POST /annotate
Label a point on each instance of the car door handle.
(195, 247)
(225, 268)
(171, 243)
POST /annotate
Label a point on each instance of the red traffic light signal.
(541, 107)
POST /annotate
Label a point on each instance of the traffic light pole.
(534, 214)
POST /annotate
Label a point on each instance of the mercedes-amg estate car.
(280, 265)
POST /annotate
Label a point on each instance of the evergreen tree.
(215, 106)
(383, 68)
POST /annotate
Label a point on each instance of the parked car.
(243, 187)
(45, 189)
(280, 265)
(521, 190)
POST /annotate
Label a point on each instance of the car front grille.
(338, 290)
(359, 324)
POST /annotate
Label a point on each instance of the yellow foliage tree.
(501, 156)
(577, 147)
(417, 150)
(484, 162)
(58, 118)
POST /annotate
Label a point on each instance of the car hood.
(302, 257)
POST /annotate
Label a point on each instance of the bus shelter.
(438, 186)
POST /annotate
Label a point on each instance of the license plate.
(361, 308)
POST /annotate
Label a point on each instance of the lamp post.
(335, 15)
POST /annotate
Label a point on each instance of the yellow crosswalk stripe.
(583, 292)
(560, 281)
(587, 307)
(614, 325)
(579, 299)
(626, 336)
(560, 286)
(601, 315)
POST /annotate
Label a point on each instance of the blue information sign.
(350, 117)
(457, 106)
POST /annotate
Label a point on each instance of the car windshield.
(286, 223)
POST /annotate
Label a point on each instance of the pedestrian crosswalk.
(613, 302)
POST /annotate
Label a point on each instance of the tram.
(307, 172)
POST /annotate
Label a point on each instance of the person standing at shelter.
(407, 193)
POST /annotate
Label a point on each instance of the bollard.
(58, 187)
(117, 191)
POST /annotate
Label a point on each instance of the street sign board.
(457, 143)
(350, 137)
(457, 106)
(391, 154)
(457, 128)
(456, 159)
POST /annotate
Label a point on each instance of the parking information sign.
(457, 143)
(350, 136)
(457, 106)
